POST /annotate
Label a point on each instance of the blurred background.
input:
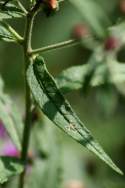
(102, 109)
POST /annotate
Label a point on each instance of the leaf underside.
(58, 110)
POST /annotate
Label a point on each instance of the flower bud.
(74, 184)
(111, 43)
(80, 31)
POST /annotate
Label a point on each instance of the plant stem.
(64, 44)
(27, 127)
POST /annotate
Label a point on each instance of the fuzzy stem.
(27, 127)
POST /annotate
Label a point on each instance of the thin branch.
(56, 46)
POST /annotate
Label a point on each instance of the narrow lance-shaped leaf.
(9, 167)
(9, 10)
(58, 110)
(5, 34)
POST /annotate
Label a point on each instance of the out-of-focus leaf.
(58, 110)
(5, 34)
(11, 119)
(73, 78)
(10, 10)
(118, 31)
(117, 72)
(97, 20)
(9, 167)
(47, 170)
(107, 99)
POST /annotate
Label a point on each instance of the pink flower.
(10, 150)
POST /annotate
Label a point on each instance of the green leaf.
(111, 72)
(47, 170)
(5, 34)
(9, 167)
(95, 68)
(97, 20)
(10, 10)
(11, 119)
(58, 110)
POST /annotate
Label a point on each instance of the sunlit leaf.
(58, 110)
(10, 10)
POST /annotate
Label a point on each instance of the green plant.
(46, 92)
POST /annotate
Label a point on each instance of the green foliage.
(58, 110)
(102, 69)
(9, 167)
(5, 33)
(11, 118)
(10, 10)
(47, 169)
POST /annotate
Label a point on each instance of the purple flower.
(10, 150)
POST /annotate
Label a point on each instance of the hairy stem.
(27, 127)
(64, 44)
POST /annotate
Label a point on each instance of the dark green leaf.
(5, 34)
(58, 110)
(9, 167)
(10, 10)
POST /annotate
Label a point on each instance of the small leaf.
(11, 119)
(92, 73)
(5, 34)
(116, 75)
(10, 10)
(58, 110)
(9, 167)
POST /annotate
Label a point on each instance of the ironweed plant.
(102, 37)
